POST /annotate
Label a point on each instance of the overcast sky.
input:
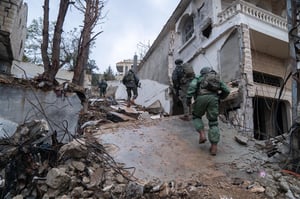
(127, 23)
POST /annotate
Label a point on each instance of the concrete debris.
(57, 179)
(76, 149)
(241, 139)
(257, 189)
(34, 163)
(22, 100)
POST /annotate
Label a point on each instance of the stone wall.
(13, 21)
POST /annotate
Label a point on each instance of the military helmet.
(178, 61)
(205, 70)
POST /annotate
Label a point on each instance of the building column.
(247, 81)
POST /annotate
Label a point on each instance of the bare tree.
(92, 14)
(52, 65)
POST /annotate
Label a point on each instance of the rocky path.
(167, 150)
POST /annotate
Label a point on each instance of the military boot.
(202, 137)
(213, 149)
(128, 103)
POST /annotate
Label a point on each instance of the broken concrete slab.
(149, 93)
(241, 139)
(20, 104)
(7, 127)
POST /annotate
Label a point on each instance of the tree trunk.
(45, 43)
(52, 68)
(91, 16)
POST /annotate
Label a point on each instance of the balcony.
(252, 11)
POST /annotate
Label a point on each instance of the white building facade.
(246, 42)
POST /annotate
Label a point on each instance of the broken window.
(207, 30)
(187, 29)
(268, 79)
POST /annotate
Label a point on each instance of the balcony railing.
(253, 11)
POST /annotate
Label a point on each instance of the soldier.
(207, 89)
(131, 81)
(182, 75)
(102, 88)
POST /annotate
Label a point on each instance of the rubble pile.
(34, 164)
(268, 163)
(32, 167)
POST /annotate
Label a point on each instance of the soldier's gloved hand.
(188, 101)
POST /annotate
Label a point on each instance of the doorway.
(270, 117)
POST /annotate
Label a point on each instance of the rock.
(18, 197)
(76, 192)
(96, 177)
(241, 139)
(78, 165)
(257, 189)
(134, 190)
(74, 149)
(277, 176)
(120, 178)
(87, 193)
(289, 195)
(271, 191)
(85, 180)
(58, 179)
(119, 188)
(165, 191)
(237, 181)
(63, 197)
(46, 196)
(107, 188)
(284, 186)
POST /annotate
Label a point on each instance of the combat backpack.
(210, 81)
(129, 77)
(188, 71)
(177, 75)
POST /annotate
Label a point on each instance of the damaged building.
(247, 43)
(13, 19)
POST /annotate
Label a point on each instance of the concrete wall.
(156, 66)
(20, 104)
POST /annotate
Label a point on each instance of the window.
(188, 29)
(268, 79)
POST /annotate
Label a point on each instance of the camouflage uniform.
(208, 103)
(102, 87)
(131, 81)
(183, 85)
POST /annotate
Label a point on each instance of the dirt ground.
(167, 149)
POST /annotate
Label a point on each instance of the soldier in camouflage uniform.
(206, 102)
(182, 84)
(131, 81)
